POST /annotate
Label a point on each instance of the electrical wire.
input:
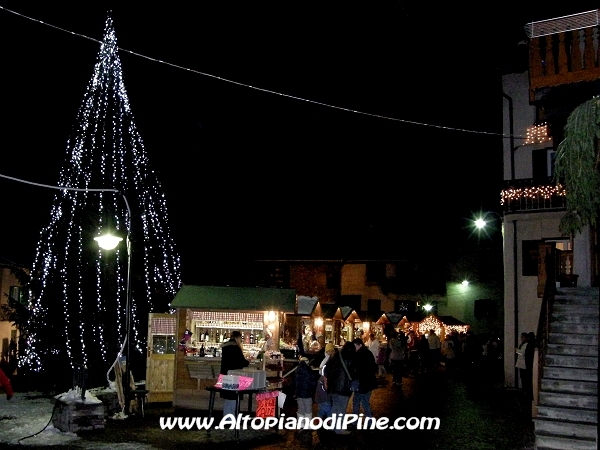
(268, 91)
(49, 421)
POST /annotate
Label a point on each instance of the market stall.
(442, 325)
(329, 321)
(206, 316)
(301, 326)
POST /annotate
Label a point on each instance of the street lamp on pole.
(109, 242)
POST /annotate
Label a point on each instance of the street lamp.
(482, 221)
(109, 242)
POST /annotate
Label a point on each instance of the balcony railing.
(563, 57)
(530, 195)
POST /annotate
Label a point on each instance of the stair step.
(582, 362)
(566, 373)
(570, 386)
(575, 309)
(577, 296)
(577, 318)
(565, 429)
(573, 339)
(567, 414)
(568, 400)
(572, 350)
(561, 443)
(571, 328)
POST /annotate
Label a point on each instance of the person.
(232, 358)
(365, 371)
(320, 356)
(322, 397)
(5, 383)
(412, 353)
(434, 343)
(382, 359)
(337, 379)
(397, 355)
(448, 352)
(525, 374)
(305, 385)
(529, 354)
(374, 345)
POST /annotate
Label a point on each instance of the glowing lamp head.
(465, 282)
(319, 322)
(108, 241)
(427, 307)
(480, 223)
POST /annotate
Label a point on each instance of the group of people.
(333, 377)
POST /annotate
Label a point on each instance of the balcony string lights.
(537, 134)
(547, 192)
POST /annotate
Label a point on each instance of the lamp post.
(109, 242)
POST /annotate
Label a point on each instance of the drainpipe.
(511, 130)
(514, 222)
(515, 296)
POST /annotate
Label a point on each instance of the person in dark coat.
(529, 354)
(365, 371)
(320, 356)
(305, 385)
(232, 358)
(338, 380)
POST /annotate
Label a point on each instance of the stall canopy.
(306, 305)
(231, 298)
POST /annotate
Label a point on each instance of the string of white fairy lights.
(268, 91)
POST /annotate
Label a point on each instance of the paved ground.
(472, 417)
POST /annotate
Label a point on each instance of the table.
(239, 393)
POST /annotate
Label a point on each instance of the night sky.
(251, 174)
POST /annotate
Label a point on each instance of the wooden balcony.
(563, 57)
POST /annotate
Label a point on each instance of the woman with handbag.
(338, 379)
(364, 378)
(322, 397)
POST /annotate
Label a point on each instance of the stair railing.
(543, 330)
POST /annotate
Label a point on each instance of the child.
(306, 382)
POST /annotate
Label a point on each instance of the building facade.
(562, 73)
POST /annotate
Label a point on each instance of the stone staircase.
(567, 415)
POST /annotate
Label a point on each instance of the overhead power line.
(268, 91)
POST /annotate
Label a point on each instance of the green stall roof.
(235, 298)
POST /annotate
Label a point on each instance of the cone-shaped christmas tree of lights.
(79, 290)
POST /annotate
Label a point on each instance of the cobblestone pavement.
(472, 416)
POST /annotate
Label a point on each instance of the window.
(15, 293)
(334, 279)
(375, 272)
(353, 301)
(484, 308)
(163, 344)
(374, 305)
(530, 258)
